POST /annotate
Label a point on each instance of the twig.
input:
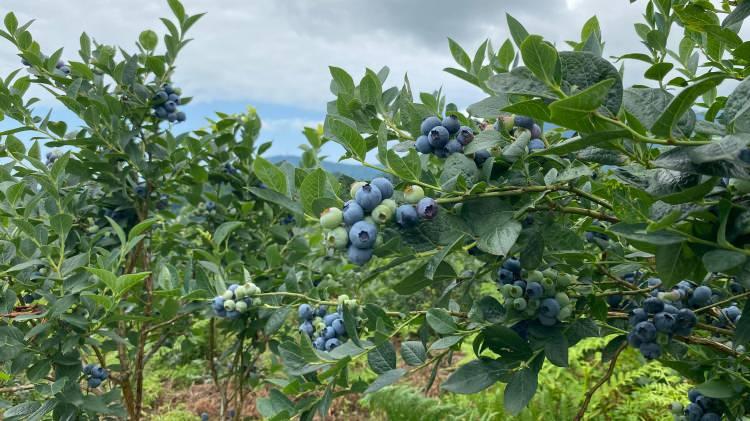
(599, 384)
(718, 303)
(14, 389)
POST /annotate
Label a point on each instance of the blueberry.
(330, 318)
(669, 308)
(513, 265)
(736, 288)
(686, 319)
(174, 98)
(634, 340)
(441, 152)
(519, 304)
(28, 299)
(646, 331)
(693, 412)
(711, 416)
(363, 235)
(505, 276)
(665, 322)
(320, 343)
(701, 296)
(161, 112)
(331, 218)
(204, 417)
(536, 132)
(465, 135)
(428, 124)
(94, 382)
(731, 313)
(536, 145)
(650, 350)
(321, 311)
(382, 213)
(160, 98)
(653, 282)
(406, 216)
(693, 395)
(549, 308)
(427, 208)
(534, 290)
(170, 106)
(422, 145)
(368, 196)
(306, 328)
(181, 116)
(88, 369)
(525, 122)
(653, 305)
(451, 123)
(744, 155)
(637, 315)
(547, 321)
(332, 343)
(338, 326)
(438, 137)
(614, 300)
(359, 256)
(329, 332)
(167, 88)
(353, 212)
(454, 146)
(384, 185)
(172, 117)
(305, 312)
(65, 69)
(480, 156)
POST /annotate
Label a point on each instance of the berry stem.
(607, 375)
(646, 139)
(725, 301)
(295, 295)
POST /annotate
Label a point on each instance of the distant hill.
(357, 172)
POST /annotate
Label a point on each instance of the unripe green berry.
(565, 313)
(413, 194)
(562, 299)
(534, 276)
(240, 292)
(350, 304)
(740, 186)
(505, 289)
(43, 271)
(251, 289)
(516, 291)
(382, 214)
(508, 121)
(354, 187)
(240, 306)
(670, 296)
(338, 238)
(390, 203)
(229, 305)
(331, 218)
(369, 219)
(677, 408)
(549, 285)
(227, 295)
(519, 304)
(549, 273)
(565, 280)
(533, 305)
(342, 298)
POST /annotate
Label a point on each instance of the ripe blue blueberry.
(686, 318)
(693, 395)
(505, 276)
(536, 145)
(329, 318)
(536, 132)
(736, 288)
(521, 284)
(546, 321)
(353, 212)
(650, 350)
(427, 208)
(438, 137)
(170, 106)
(523, 121)
(701, 296)
(174, 98)
(172, 117)
(465, 135)
(233, 314)
(614, 300)
(359, 256)
(88, 368)
(321, 311)
(384, 185)
(204, 417)
(534, 290)
(167, 88)
(305, 312)
(363, 235)
(732, 313)
(653, 305)
(160, 98)
(307, 328)
(693, 412)
(451, 124)
(428, 124)
(423, 145)
(93, 382)
(180, 116)
(513, 265)
(332, 343)
(406, 216)
(646, 331)
(453, 146)
(549, 308)
(669, 308)
(320, 343)
(744, 155)
(710, 416)
(665, 322)
(161, 112)
(329, 332)
(480, 156)
(634, 340)
(368, 196)
(338, 326)
(637, 315)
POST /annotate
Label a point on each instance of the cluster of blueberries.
(327, 331)
(700, 408)
(165, 104)
(52, 156)
(30, 298)
(537, 295)
(355, 226)
(96, 375)
(510, 122)
(60, 66)
(443, 138)
(235, 301)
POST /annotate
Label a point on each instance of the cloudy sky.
(274, 54)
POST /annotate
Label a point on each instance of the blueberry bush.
(596, 209)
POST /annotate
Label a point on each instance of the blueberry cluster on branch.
(95, 375)
(165, 103)
(326, 330)
(443, 137)
(235, 301)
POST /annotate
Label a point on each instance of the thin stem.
(604, 379)
(725, 301)
(646, 139)
(389, 171)
(296, 295)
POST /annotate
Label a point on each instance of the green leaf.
(413, 353)
(459, 54)
(718, 389)
(475, 376)
(637, 232)
(485, 140)
(386, 379)
(575, 111)
(141, 227)
(534, 108)
(445, 342)
(277, 198)
(275, 404)
(11, 24)
(542, 59)
(276, 320)
(517, 31)
(577, 143)
(742, 331)
(177, 9)
(581, 70)
(370, 89)
(432, 266)
(675, 262)
(504, 341)
(520, 81)
(494, 223)
(664, 125)
(658, 71)
(441, 321)
(740, 12)
(313, 187)
(417, 279)
(224, 230)
(109, 278)
(408, 167)
(270, 175)
(489, 107)
(519, 390)
(348, 137)
(61, 224)
(382, 358)
(722, 260)
(647, 104)
(128, 281)
(344, 82)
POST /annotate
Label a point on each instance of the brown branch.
(14, 389)
(166, 323)
(604, 379)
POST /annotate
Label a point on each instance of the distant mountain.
(354, 171)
